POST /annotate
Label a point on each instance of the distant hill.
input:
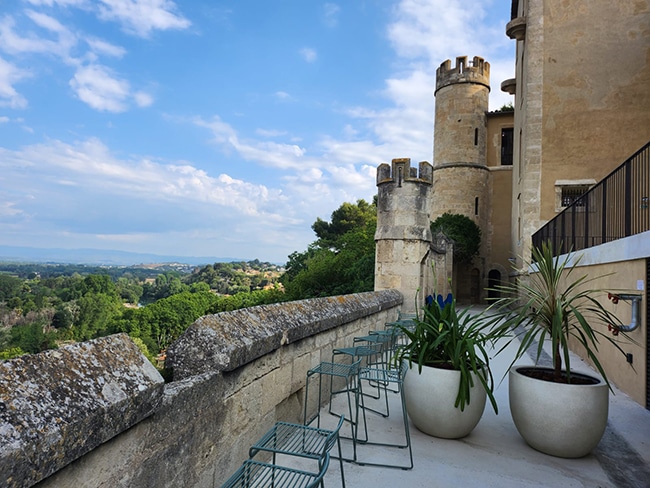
(99, 257)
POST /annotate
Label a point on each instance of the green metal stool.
(301, 441)
(255, 474)
(388, 376)
(382, 343)
(349, 374)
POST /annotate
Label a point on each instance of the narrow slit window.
(476, 137)
(476, 206)
(507, 145)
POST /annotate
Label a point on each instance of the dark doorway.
(494, 280)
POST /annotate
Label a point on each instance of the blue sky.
(217, 127)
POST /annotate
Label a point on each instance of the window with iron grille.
(568, 192)
(571, 194)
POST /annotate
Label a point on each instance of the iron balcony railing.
(615, 208)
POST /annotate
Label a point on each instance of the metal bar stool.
(398, 327)
(383, 344)
(301, 441)
(257, 474)
(349, 374)
(384, 340)
(394, 376)
(392, 339)
(369, 352)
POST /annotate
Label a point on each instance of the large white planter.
(430, 398)
(555, 418)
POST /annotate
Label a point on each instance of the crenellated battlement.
(477, 71)
(400, 171)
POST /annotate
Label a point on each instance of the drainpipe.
(636, 310)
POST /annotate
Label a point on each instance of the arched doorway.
(494, 280)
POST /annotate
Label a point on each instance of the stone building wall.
(581, 104)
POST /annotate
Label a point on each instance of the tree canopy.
(43, 309)
(463, 231)
(341, 260)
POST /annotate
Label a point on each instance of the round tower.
(403, 237)
(460, 173)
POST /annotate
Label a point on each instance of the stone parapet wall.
(97, 414)
(57, 405)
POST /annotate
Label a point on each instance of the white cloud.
(49, 23)
(7, 209)
(424, 31)
(63, 3)
(280, 95)
(265, 153)
(141, 17)
(142, 99)
(10, 75)
(97, 86)
(89, 165)
(270, 132)
(82, 193)
(60, 46)
(335, 171)
(106, 48)
(4, 120)
(309, 54)
(330, 14)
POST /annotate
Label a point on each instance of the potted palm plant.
(446, 393)
(556, 410)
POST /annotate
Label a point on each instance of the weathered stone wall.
(97, 414)
(58, 405)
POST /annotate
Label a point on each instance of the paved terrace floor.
(494, 455)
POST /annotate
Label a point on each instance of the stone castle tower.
(403, 236)
(457, 183)
(460, 171)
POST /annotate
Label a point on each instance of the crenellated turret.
(403, 234)
(478, 72)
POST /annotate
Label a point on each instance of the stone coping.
(58, 405)
(228, 340)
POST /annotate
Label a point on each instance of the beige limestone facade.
(582, 100)
(582, 107)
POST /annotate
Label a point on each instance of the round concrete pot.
(430, 398)
(555, 418)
